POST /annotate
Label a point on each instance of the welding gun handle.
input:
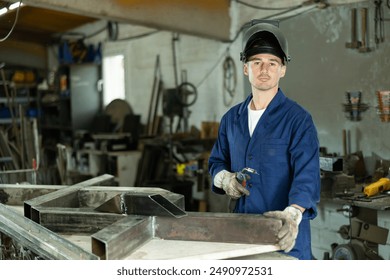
(242, 178)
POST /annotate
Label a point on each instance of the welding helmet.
(264, 36)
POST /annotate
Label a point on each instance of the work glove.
(228, 182)
(291, 217)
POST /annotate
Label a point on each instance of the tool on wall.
(354, 107)
(364, 47)
(379, 23)
(354, 44)
(383, 108)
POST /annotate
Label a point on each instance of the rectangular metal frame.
(115, 236)
(113, 242)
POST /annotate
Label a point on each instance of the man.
(275, 136)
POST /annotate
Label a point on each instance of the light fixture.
(15, 5)
(3, 11)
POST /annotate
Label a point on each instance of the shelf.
(9, 120)
(19, 85)
(20, 99)
(57, 127)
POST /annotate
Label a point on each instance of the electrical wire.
(14, 24)
(229, 80)
(96, 33)
(210, 71)
(266, 8)
(139, 36)
(231, 42)
(301, 13)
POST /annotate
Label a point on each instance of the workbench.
(341, 216)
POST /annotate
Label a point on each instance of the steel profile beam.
(76, 212)
(12, 194)
(55, 197)
(219, 227)
(39, 239)
(118, 240)
(121, 238)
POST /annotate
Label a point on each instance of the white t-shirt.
(253, 118)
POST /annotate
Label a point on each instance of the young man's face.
(264, 71)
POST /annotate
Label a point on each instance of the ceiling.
(39, 20)
(39, 25)
(42, 21)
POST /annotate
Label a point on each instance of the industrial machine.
(363, 240)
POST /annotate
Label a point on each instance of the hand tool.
(241, 177)
(354, 44)
(379, 23)
(383, 184)
(364, 47)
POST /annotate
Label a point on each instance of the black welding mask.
(264, 37)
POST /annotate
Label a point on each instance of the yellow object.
(23, 77)
(180, 168)
(383, 184)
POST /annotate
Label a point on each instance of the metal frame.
(113, 242)
(39, 239)
(116, 234)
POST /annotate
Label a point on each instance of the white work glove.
(291, 217)
(228, 182)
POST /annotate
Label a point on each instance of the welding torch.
(241, 177)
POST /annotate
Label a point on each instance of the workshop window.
(113, 78)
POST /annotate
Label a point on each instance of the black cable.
(96, 32)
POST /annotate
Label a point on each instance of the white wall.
(202, 60)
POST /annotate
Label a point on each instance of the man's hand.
(228, 182)
(291, 217)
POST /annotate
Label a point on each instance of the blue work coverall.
(284, 150)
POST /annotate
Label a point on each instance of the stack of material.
(19, 144)
(20, 155)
